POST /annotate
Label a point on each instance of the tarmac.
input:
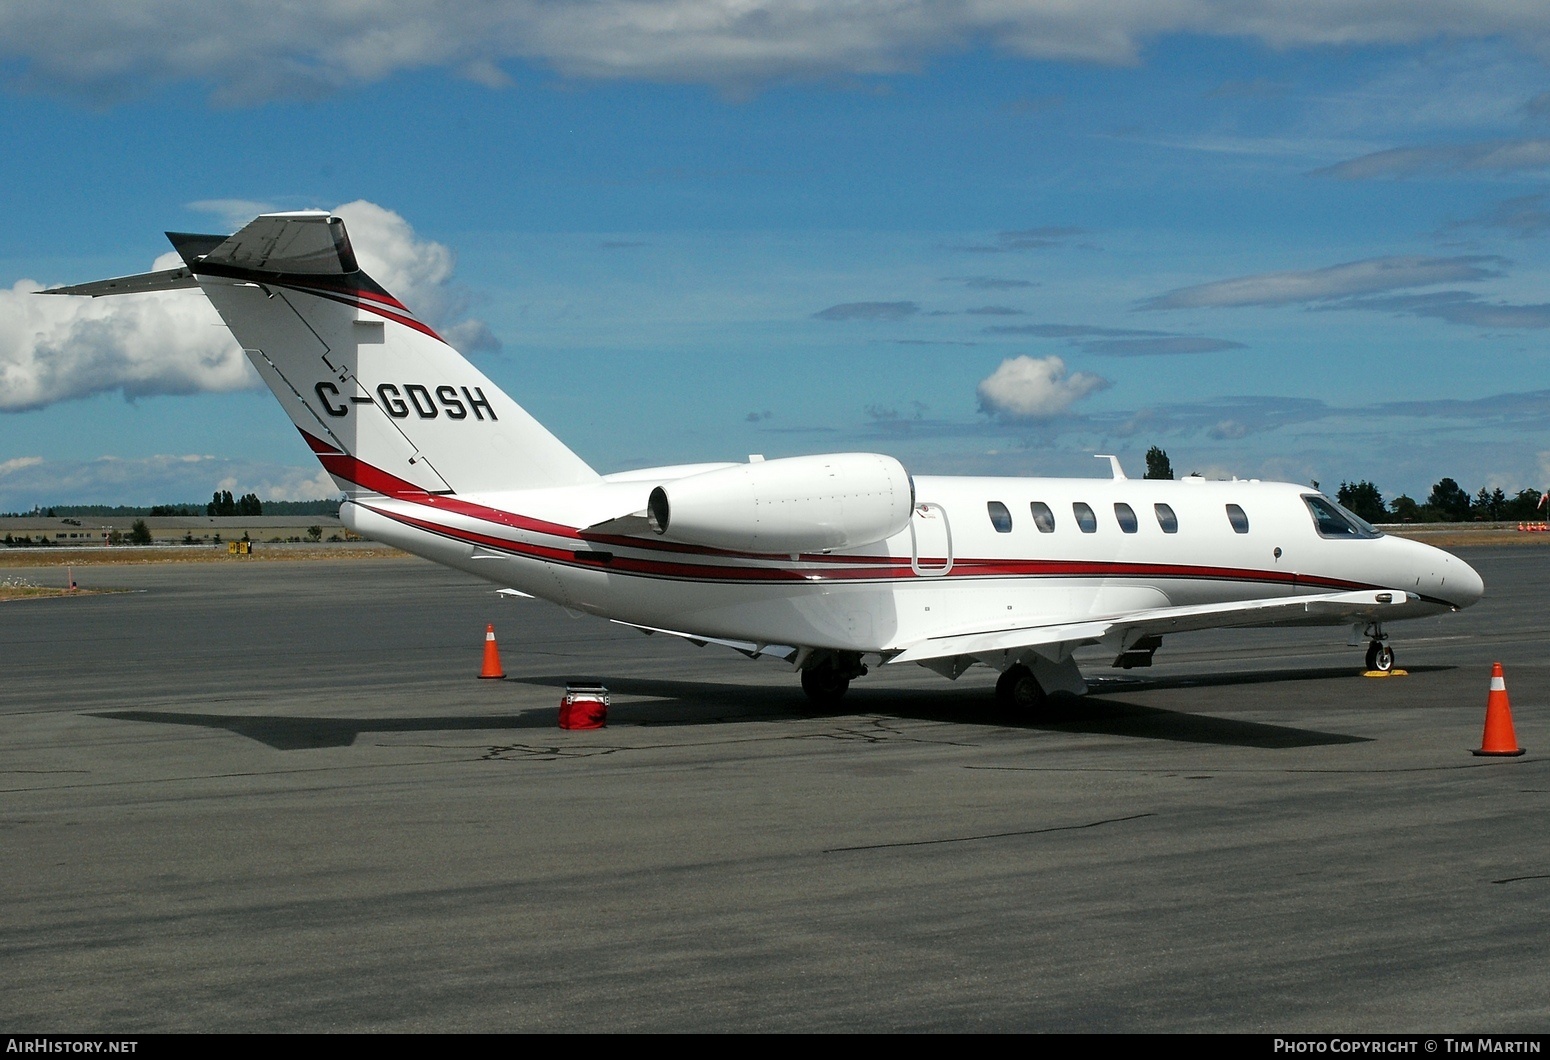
(275, 797)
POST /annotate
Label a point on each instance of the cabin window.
(1331, 520)
(1043, 518)
(1166, 519)
(1085, 518)
(1000, 518)
(1126, 516)
(1239, 521)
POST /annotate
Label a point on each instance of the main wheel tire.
(1017, 689)
(1372, 655)
(824, 685)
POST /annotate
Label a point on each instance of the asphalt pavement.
(275, 796)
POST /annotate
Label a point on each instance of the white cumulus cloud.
(56, 347)
(417, 271)
(1035, 388)
(18, 463)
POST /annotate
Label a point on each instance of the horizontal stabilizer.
(193, 246)
(306, 243)
(166, 280)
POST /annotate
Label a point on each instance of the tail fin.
(383, 401)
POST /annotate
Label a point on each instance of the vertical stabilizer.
(385, 403)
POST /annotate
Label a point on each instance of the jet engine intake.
(792, 505)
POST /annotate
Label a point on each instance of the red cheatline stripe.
(881, 568)
(621, 564)
(332, 283)
(353, 469)
(353, 299)
(318, 446)
(727, 573)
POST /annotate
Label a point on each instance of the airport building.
(96, 531)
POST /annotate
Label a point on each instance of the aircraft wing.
(1323, 609)
(747, 647)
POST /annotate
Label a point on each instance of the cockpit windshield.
(1331, 520)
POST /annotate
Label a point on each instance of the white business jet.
(825, 561)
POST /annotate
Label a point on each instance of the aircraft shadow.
(1102, 715)
(679, 702)
(302, 734)
(684, 703)
(1130, 683)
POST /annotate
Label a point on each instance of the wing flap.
(747, 647)
(986, 643)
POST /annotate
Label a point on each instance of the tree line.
(222, 504)
(59, 511)
(1447, 503)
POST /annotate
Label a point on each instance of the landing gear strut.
(826, 682)
(1017, 689)
(1380, 656)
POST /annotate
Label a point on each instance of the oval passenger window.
(1085, 518)
(1000, 518)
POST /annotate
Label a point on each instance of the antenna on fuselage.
(1119, 472)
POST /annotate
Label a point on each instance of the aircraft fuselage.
(1152, 544)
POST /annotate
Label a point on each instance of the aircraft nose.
(1464, 585)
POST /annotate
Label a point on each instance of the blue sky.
(986, 238)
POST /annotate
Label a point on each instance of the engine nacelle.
(797, 504)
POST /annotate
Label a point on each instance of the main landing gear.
(1017, 689)
(1380, 656)
(827, 681)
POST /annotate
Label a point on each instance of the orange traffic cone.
(492, 655)
(1499, 739)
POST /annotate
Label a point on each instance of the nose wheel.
(1380, 657)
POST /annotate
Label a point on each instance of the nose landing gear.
(1380, 656)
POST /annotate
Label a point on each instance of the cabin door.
(931, 540)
